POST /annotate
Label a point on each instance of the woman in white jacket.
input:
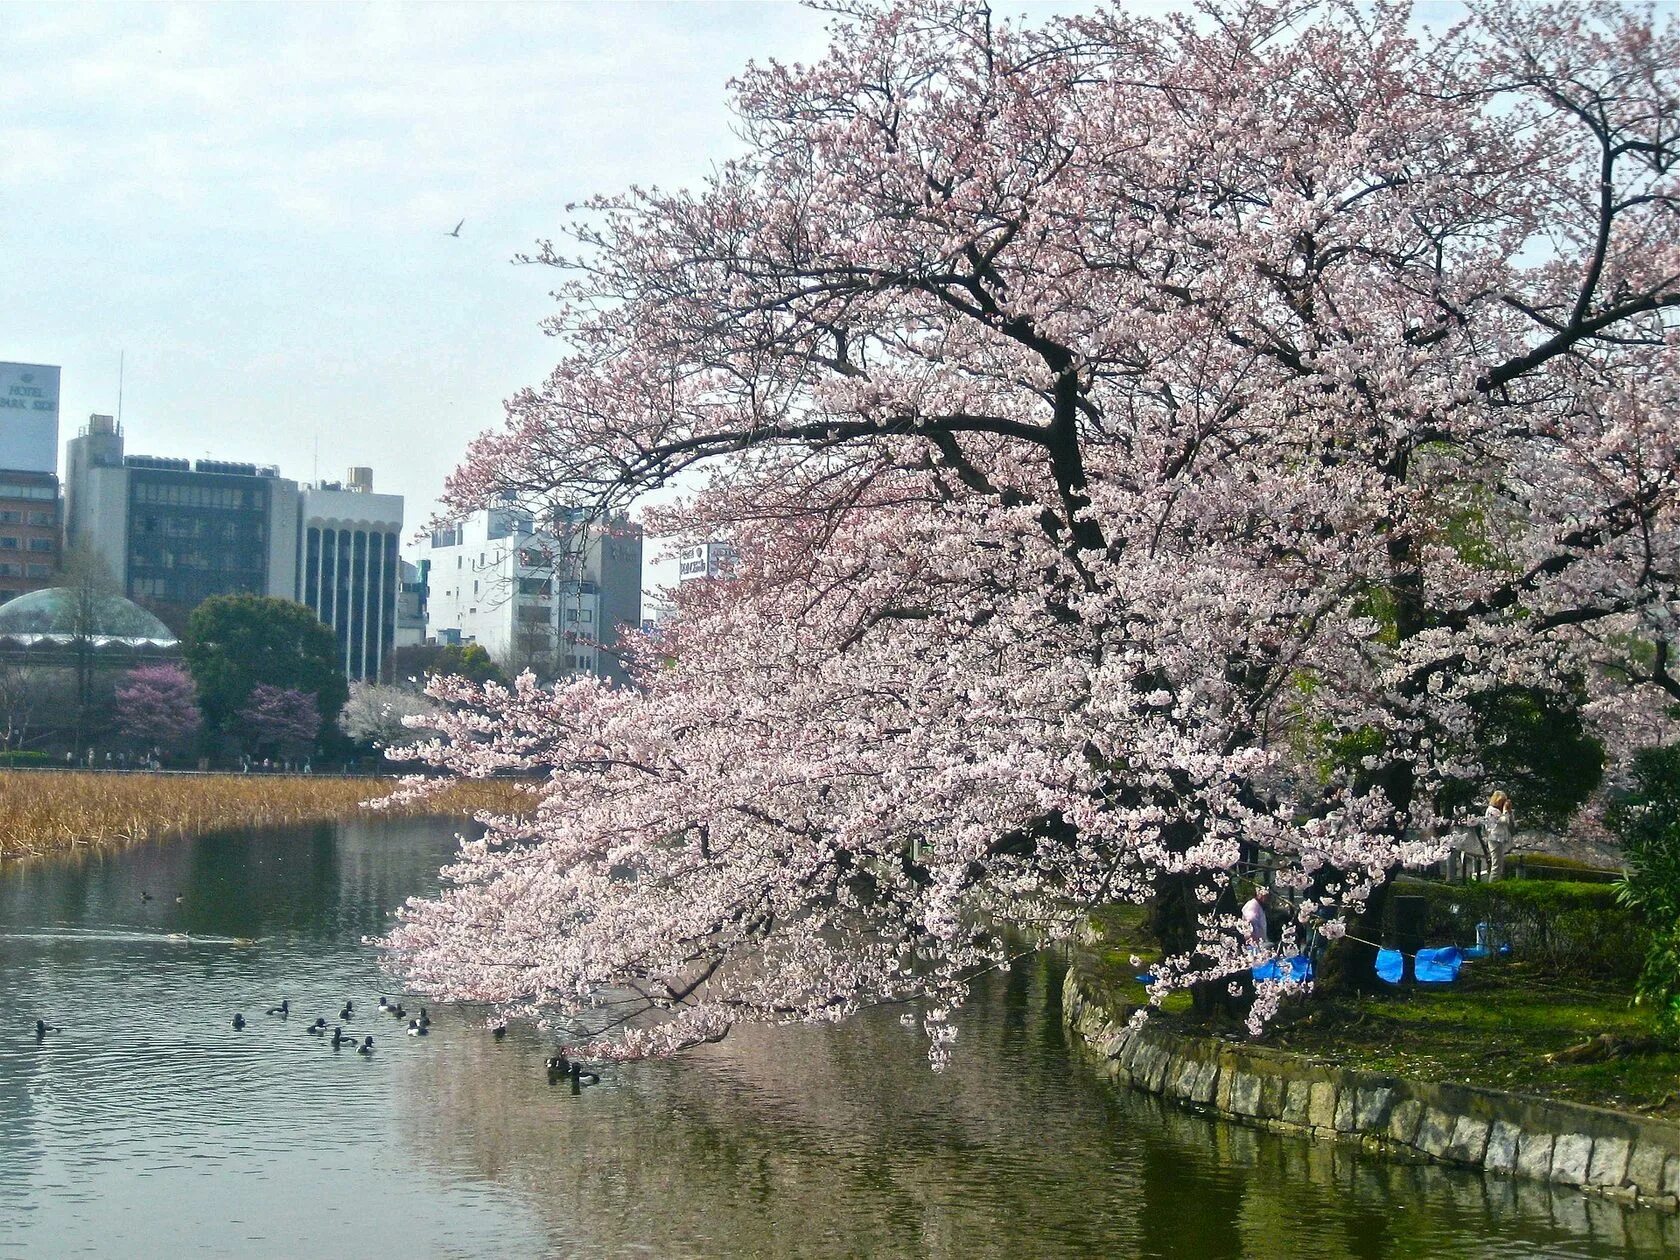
(1499, 832)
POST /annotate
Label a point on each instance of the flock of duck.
(418, 1027)
(559, 1066)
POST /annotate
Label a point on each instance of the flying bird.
(457, 230)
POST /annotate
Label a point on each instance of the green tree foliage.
(1647, 820)
(469, 660)
(1532, 743)
(234, 642)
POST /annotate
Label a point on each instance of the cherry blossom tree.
(379, 714)
(157, 707)
(280, 720)
(1123, 423)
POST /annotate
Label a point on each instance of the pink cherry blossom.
(1109, 413)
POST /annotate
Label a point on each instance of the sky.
(247, 206)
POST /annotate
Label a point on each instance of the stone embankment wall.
(1604, 1152)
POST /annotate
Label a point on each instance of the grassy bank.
(61, 812)
(1500, 1026)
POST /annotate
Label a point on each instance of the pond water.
(149, 1127)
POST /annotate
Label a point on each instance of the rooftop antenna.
(315, 473)
(122, 361)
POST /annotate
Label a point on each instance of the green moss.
(1494, 1028)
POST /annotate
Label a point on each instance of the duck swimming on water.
(42, 1028)
(238, 1022)
(317, 1029)
(560, 1067)
(366, 1047)
(416, 1028)
(345, 1013)
(283, 1010)
(339, 1039)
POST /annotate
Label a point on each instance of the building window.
(43, 518)
(11, 518)
(40, 544)
(40, 570)
(9, 544)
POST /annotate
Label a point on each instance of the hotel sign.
(28, 417)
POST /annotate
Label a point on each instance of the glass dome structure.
(50, 616)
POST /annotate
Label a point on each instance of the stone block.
(1159, 1069)
(1609, 1162)
(1501, 1155)
(1271, 1096)
(1370, 1108)
(1468, 1142)
(1345, 1098)
(1129, 1053)
(1184, 1079)
(1671, 1175)
(1534, 1156)
(1435, 1132)
(1321, 1108)
(1645, 1167)
(1245, 1094)
(1297, 1099)
(1207, 1080)
(1222, 1091)
(1571, 1158)
(1403, 1122)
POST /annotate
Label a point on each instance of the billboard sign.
(28, 417)
(706, 560)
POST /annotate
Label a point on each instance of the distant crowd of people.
(122, 759)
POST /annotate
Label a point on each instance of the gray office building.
(174, 532)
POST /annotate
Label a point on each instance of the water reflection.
(149, 1127)
(840, 1142)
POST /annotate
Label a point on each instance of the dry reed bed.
(61, 812)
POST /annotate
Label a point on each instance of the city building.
(553, 598)
(30, 524)
(174, 532)
(350, 573)
(411, 604)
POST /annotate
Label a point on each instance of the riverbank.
(1614, 1153)
(66, 811)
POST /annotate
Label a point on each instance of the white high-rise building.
(348, 569)
(553, 598)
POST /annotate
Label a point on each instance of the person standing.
(1254, 926)
(1499, 832)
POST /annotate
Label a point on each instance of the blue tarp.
(1298, 968)
(1391, 965)
(1439, 966)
